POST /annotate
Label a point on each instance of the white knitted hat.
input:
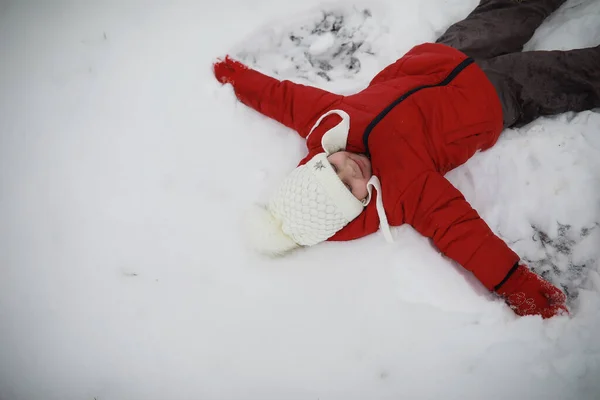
(310, 205)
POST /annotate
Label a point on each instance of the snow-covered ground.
(125, 169)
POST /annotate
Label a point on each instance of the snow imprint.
(558, 263)
(324, 46)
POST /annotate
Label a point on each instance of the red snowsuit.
(419, 118)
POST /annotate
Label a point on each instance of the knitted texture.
(313, 204)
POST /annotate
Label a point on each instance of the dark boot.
(537, 83)
(498, 27)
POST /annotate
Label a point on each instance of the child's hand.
(529, 294)
(226, 70)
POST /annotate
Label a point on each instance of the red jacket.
(419, 118)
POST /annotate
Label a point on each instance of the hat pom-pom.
(264, 232)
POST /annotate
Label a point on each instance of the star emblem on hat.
(319, 165)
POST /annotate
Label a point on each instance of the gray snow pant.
(530, 84)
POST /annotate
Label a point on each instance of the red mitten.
(227, 69)
(529, 294)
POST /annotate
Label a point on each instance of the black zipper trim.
(512, 271)
(464, 64)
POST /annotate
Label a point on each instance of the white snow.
(322, 44)
(125, 169)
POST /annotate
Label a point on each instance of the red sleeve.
(295, 106)
(437, 210)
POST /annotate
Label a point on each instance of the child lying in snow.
(378, 157)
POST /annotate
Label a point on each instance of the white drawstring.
(334, 139)
(383, 221)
